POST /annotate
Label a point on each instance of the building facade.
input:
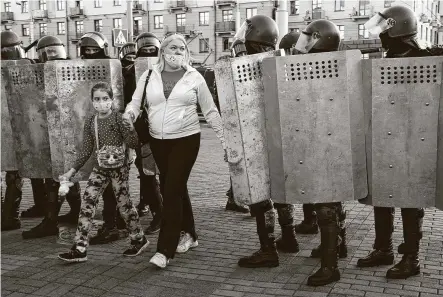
(209, 25)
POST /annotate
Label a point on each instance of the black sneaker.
(73, 256)
(154, 226)
(104, 235)
(136, 247)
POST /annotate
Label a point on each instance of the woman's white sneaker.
(159, 260)
(186, 242)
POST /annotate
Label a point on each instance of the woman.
(173, 91)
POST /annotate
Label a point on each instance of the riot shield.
(25, 95)
(9, 160)
(240, 90)
(404, 120)
(315, 127)
(69, 105)
(142, 64)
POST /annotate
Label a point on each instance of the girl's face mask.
(175, 61)
(102, 102)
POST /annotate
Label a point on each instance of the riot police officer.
(51, 48)
(397, 28)
(324, 36)
(11, 49)
(259, 34)
(94, 45)
(149, 186)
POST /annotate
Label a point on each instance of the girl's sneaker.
(137, 247)
(159, 260)
(186, 242)
(73, 256)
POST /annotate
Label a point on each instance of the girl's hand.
(68, 175)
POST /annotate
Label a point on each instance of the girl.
(173, 90)
(106, 135)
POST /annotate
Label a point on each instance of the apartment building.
(209, 25)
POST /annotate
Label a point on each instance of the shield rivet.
(297, 130)
(392, 102)
(427, 104)
(422, 139)
(302, 192)
(330, 99)
(390, 166)
(329, 133)
(389, 133)
(298, 99)
(390, 196)
(301, 162)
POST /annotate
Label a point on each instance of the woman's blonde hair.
(164, 44)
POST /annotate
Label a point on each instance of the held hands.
(128, 119)
(65, 182)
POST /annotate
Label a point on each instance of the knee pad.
(326, 214)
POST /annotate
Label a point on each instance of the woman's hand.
(68, 175)
(128, 119)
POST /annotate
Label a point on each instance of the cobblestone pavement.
(30, 268)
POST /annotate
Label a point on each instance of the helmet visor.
(379, 24)
(52, 52)
(12, 53)
(128, 49)
(240, 36)
(306, 42)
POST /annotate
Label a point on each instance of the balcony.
(76, 12)
(137, 8)
(136, 31)
(226, 3)
(225, 27)
(178, 6)
(186, 30)
(436, 21)
(362, 14)
(424, 18)
(40, 15)
(7, 17)
(318, 14)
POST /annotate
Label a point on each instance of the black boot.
(383, 251)
(74, 200)
(40, 199)
(408, 266)
(309, 224)
(287, 242)
(329, 229)
(13, 196)
(232, 205)
(267, 256)
(412, 233)
(49, 225)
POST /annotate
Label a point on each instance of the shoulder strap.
(144, 89)
(96, 132)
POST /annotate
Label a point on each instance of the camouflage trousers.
(98, 181)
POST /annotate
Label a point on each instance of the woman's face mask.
(174, 53)
(175, 61)
(102, 103)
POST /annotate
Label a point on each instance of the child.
(106, 136)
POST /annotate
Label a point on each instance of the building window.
(363, 7)
(7, 6)
(388, 3)
(181, 20)
(294, 7)
(158, 22)
(227, 42)
(8, 28)
(158, 1)
(316, 4)
(204, 18)
(117, 23)
(414, 5)
(341, 28)
(250, 12)
(98, 25)
(296, 30)
(61, 28)
(98, 3)
(436, 37)
(78, 51)
(79, 28)
(227, 15)
(60, 5)
(43, 29)
(426, 36)
(25, 8)
(204, 46)
(138, 25)
(42, 4)
(339, 5)
(365, 56)
(79, 4)
(362, 32)
(25, 30)
(117, 2)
